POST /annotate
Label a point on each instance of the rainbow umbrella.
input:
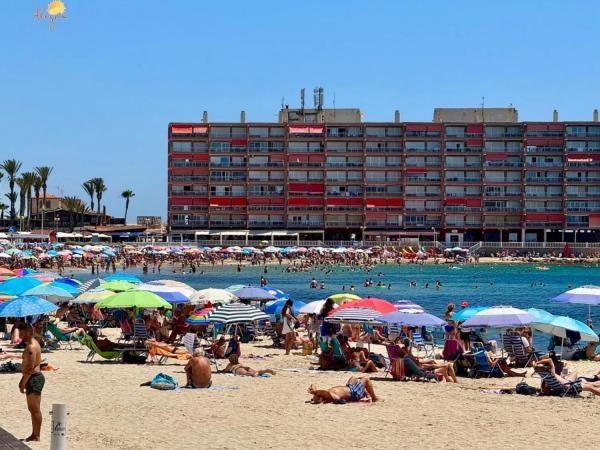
(199, 317)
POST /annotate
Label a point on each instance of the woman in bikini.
(238, 369)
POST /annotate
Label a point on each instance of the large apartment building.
(469, 174)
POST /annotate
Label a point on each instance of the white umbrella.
(213, 295)
(187, 292)
(499, 317)
(314, 307)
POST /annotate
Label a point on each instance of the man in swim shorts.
(32, 382)
(355, 390)
(198, 371)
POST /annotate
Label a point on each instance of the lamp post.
(434, 237)
(56, 222)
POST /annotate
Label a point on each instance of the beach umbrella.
(16, 286)
(354, 315)
(344, 297)
(70, 281)
(235, 287)
(499, 317)
(376, 304)
(133, 299)
(118, 286)
(173, 297)
(51, 293)
(6, 256)
(277, 293)
(172, 283)
(156, 288)
(198, 317)
(250, 293)
(94, 283)
(411, 319)
(407, 306)
(541, 315)
(93, 296)
(236, 313)
(561, 326)
(272, 249)
(213, 295)
(314, 307)
(26, 306)
(123, 277)
(585, 295)
(13, 252)
(467, 313)
(67, 287)
(276, 307)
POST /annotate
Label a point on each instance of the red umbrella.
(377, 304)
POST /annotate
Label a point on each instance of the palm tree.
(44, 173)
(29, 179)
(22, 184)
(72, 205)
(100, 188)
(88, 187)
(37, 187)
(12, 167)
(127, 195)
(3, 207)
(12, 197)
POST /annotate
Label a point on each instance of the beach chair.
(191, 341)
(94, 350)
(439, 337)
(62, 338)
(421, 344)
(394, 332)
(270, 331)
(553, 386)
(126, 331)
(394, 354)
(140, 333)
(483, 366)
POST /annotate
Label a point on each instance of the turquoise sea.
(483, 284)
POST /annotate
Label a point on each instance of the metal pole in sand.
(58, 432)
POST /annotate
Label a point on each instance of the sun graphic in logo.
(56, 7)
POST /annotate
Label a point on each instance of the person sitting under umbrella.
(236, 368)
(355, 390)
(69, 331)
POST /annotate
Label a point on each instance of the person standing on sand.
(289, 322)
(32, 382)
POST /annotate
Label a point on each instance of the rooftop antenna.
(321, 98)
(316, 97)
(282, 102)
(334, 104)
(302, 99)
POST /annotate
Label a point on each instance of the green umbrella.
(133, 299)
(118, 286)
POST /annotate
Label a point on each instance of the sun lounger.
(94, 350)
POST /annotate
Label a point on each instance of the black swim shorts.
(35, 384)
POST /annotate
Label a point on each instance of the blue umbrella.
(467, 313)
(253, 293)
(109, 253)
(123, 277)
(16, 286)
(67, 287)
(276, 307)
(561, 325)
(69, 281)
(411, 319)
(173, 297)
(540, 315)
(51, 293)
(52, 253)
(277, 293)
(78, 251)
(26, 306)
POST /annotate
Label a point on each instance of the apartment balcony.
(266, 194)
(227, 135)
(543, 195)
(589, 165)
(343, 224)
(454, 166)
(463, 194)
(501, 209)
(218, 179)
(265, 149)
(461, 209)
(502, 164)
(265, 224)
(541, 149)
(463, 180)
(544, 165)
(464, 149)
(592, 209)
(577, 225)
(184, 163)
(503, 194)
(503, 135)
(545, 180)
(358, 149)
(583, 180)
(265, 208)
(345, 165)
(255, 179)
(396, 150)
(188, 178)
(502, 224)
(543, 225)
(424, 134)
(307, 165)
(435, 151)
(228, 223)
(266, 165)
(306, 224)
(227, 165)
(423, 194)
(545, 134)
(414, 179)
(582, 194)
(189, 223)
(582, 150)
(502, 180)
(423, 210)
(433, 164)
(189, 193)
(544, 210)
(426, 224)
(381, 224)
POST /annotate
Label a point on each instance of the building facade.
(500, 180)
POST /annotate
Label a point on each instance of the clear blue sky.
(94, 97)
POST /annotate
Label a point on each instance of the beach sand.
(109, 410)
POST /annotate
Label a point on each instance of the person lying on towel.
(355, 390)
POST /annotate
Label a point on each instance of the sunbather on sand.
(236, 368)
(501, 362)
(198, 371)
(355, 390)
(586, 385)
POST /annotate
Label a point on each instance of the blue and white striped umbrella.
(26, 306)
(91, 284)
(354, 315)
(236, 313)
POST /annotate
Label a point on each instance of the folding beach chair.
(439, 337)
(394, 354)
(553, 386)
(520, 356)
(483, 366)
(94, 350)
(140, 333)
(421, 344)
(62, 338)
(270, 331)
(191, 341)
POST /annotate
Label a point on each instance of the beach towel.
(156, 351)
(163, 382)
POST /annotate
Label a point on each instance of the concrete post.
(545, 237)
(58, 431)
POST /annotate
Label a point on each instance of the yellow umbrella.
(344, 297)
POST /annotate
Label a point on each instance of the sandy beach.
(108, 409)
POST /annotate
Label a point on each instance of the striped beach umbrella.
(354, 315)
(94, 283)
(408, 306)
(236, 313)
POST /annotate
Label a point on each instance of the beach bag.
(163, 382)
(133, 358)
(524, 389)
